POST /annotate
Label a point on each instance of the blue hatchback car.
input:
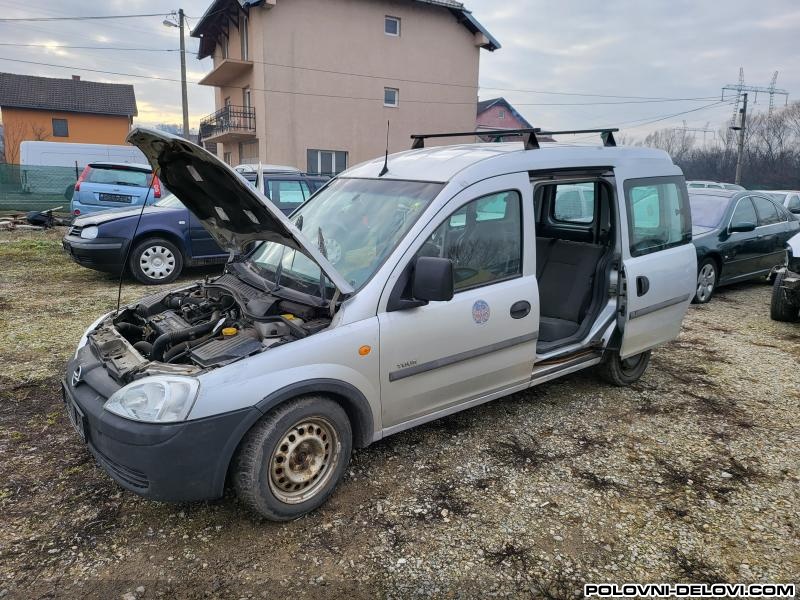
(105, 185)
(169, 236)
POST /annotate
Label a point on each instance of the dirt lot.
(691, 475)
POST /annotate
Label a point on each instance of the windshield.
(707, 211)
(355, 223)
(170, 201)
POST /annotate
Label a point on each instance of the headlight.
(89, 233)
(158, 399)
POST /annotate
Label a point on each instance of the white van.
(39, 162)
(406, 289)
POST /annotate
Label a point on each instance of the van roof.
(477, 161)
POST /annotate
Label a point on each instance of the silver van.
(406, 289)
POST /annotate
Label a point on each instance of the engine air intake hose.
(169, 339)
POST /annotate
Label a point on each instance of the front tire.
(707, 276)
(780, 309)
(155, 261)
(622, 372)
(290, 462)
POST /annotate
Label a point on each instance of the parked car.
(714, 185)
(105, 185)
(790, 199)
(738, 236)
(785, 302)
(169, 236)
(454, 283)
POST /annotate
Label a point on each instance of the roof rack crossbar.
(531, 142)
(606, 134)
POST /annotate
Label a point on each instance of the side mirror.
(433, 279)
(742, 227)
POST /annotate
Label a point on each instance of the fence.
(25, 188)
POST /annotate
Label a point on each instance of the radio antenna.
(385, 168)
(133, 238)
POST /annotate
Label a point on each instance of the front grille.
(129, 475)
(75, 230)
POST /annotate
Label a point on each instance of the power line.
(59, 47)
(83, 18)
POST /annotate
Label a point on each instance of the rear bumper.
(101, 254)
(178, 462)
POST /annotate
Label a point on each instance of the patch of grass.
(596, 482)
(523, 451)
(509, 554)
(695, 569)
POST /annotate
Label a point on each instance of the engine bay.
(208, 325)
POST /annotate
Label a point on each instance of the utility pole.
(741, 128)
(184, 94)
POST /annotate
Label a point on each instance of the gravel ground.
(690, 475)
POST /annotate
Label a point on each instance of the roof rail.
(531, 142)
(606, 134)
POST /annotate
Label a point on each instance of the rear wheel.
(781, 309)
(706, 281)
(291, 461)
(624, 371)
(156, 260)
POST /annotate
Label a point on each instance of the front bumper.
(101, 254)
(177, 462)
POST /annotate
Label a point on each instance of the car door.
(482, 343)
(771, 233)
(740, 250)
(659, 262)
(203, 245)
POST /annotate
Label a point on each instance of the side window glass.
(483, 239)
(658, 214)
(286, 193)
(767, 213)
(574, 203)
(794, 203)
(744, 213)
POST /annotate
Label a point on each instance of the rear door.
(659, 262)
(772, 233)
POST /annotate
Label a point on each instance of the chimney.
(76, 78)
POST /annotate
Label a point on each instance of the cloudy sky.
(571, 63)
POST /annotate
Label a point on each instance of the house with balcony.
(313, 83)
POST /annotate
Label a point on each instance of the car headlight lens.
(89, 233)
(158, 399)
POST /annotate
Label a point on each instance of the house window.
(501, 114)
(244, 37)
(391, 26)
(326, 162)
(246, 101)
(391, 97)
(60, 128)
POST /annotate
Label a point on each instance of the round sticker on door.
(480, 312)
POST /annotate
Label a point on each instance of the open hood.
(232, 211)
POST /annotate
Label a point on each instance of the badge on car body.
(480, 312)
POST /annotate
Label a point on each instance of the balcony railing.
(229, 123)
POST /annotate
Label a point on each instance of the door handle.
(520, 309)
(642, 285)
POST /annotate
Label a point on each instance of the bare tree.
(16, 133)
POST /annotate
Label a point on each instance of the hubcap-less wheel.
(706, 280)
(629, 364)
(304, 460)
(157, 262)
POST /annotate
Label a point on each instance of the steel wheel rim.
(706, 279)
(629, 364)
(304, 460)
(157, 262)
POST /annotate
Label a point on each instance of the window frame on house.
(225, 47)
(390, 19)
(501, 113)
(315, 164)
(63, 122)
(396, 97)
(244, 37)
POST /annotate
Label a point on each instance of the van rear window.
(112, 176)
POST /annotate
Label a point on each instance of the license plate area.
(115, 198)
(76, 416)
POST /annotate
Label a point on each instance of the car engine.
(208, 325)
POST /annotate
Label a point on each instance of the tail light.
(156, 186)
(76, 212)
(84, 173)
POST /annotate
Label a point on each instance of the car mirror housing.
(742, 227)
(433, 279)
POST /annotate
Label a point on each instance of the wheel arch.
(717, 258)
(162, 233)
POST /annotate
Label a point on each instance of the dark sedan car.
(738, 236)
(169, 237)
